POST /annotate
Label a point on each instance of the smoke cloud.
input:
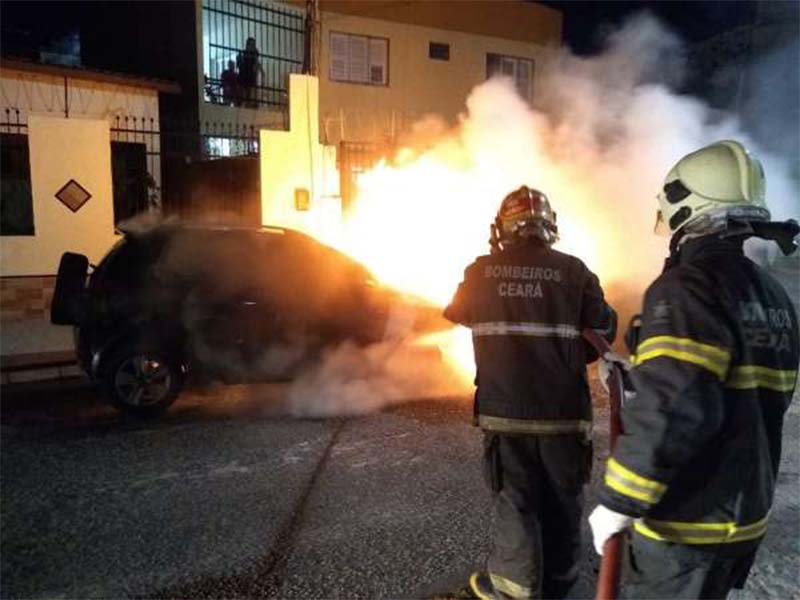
(603, 133)
(355, 381)
(615, 122)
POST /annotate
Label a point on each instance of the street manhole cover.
(73, 195)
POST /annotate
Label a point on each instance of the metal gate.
(224, 190)
(355, 158)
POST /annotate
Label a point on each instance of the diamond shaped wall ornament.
(73, 195)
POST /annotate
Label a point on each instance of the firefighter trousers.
(537, 488)
(665, 570)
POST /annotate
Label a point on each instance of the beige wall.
(60, 150)
(39, 93)
(417, 86)
(510, 19)
(295, 159)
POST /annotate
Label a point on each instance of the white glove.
(606, 363)
(605, 523)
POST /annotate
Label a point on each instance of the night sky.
(585, 22)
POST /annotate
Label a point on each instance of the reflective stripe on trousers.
(510, 588)
(534, 426)
(561, 330)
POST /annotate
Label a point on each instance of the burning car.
(231, 304)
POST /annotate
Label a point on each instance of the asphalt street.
(225, 497)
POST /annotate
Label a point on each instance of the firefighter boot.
(479, 588)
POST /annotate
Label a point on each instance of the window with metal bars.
(130, 179)
(16, 201)
(359, 58)
(249, 50)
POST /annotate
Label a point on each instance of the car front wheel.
(142, 381)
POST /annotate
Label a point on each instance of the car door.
(221, 306)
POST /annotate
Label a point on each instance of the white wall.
(295, 159)
(37, 93)
(60, 150)
(41, 94)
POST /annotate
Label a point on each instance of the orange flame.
(417, 225)
(419, 221)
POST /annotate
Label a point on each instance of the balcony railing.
(249, 49)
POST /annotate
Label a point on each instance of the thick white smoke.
(616, 121)
(603, 133)
(355, 381)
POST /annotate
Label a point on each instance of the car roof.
(134, 230)
(168, 228)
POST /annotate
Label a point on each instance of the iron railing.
(141, 130)
(260, 74)
(354, 158)
(221, 140)
(13, 122)
(167, 153)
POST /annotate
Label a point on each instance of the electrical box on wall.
(302, 199)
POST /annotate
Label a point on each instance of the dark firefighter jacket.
(526, 307)
(714, 372)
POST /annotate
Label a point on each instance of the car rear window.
(129, 262)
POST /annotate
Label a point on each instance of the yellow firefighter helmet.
(711, 185)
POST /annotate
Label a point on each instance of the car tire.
(68, 296)
(141, 380)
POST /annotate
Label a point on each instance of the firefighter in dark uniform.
(714, 371)
(526, 305)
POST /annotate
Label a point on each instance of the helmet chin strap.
(541, 235)
(782, 233)
(494, 240)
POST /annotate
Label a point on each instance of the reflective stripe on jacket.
(526, 307)
(714, 373)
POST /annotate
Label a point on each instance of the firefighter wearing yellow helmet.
(714, 370)
(708, 186)
(526, 305)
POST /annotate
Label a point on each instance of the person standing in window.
(249, 68)
(230, 85)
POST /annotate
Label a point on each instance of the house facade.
(80, 154)
(94, 134)
(384, 65)
(381, 65)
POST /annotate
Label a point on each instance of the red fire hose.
(611, 563)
